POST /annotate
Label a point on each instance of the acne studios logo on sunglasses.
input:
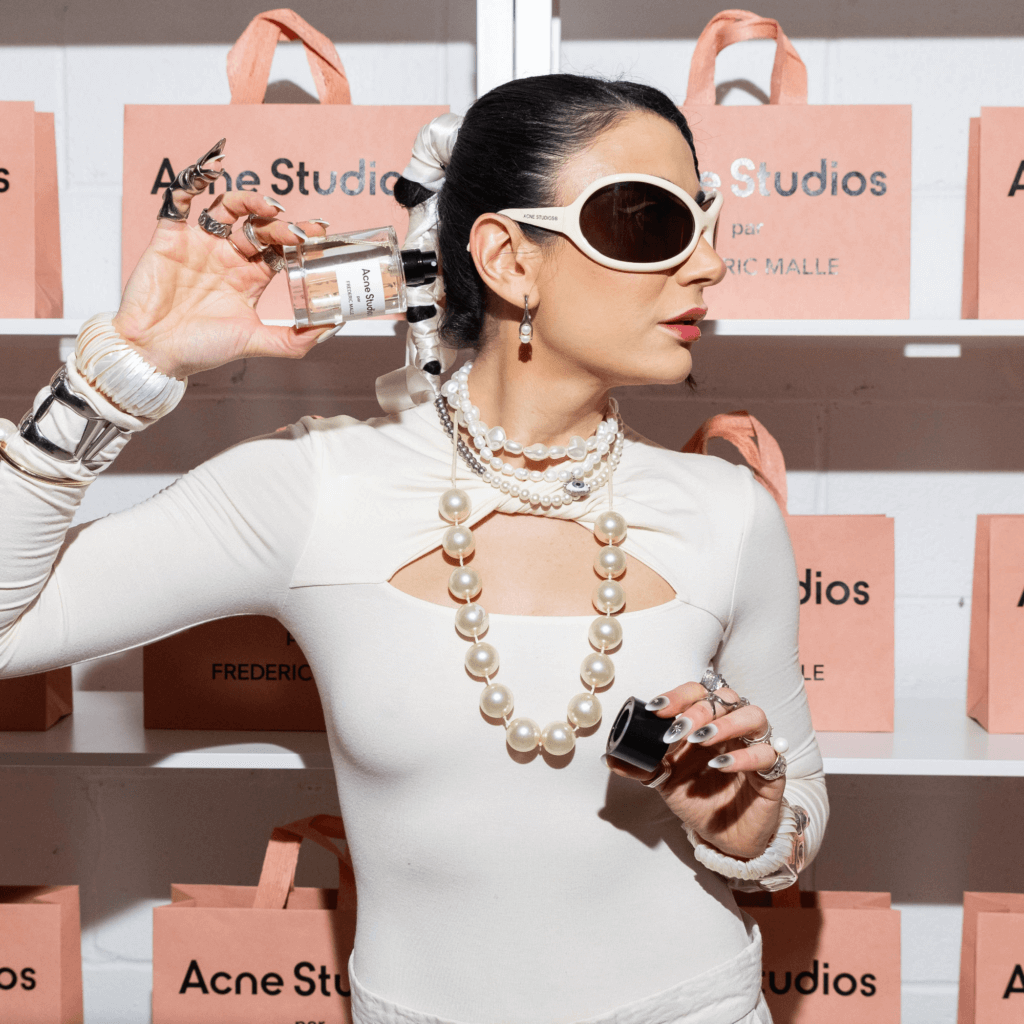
(827, 180)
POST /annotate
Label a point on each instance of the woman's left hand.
(729, 805)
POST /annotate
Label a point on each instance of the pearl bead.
(482, 659)
(525, 330)
(609, 597)
(479, 443)
(473, 414)
(534, 499)
(448, 387)
(496, 464)
(610, 562)
(584, 710)
(564, 475)
(514, 490)
(602, 448)
(496, 437)
(556, 451)
(521, 473)
(514, 447)
(545, 501)
(454, 505)
(472, 619)
(505, 485)
(536, 452)
(598, 670)
(577, 448)
(496, 701)
(780, 745)
(556, 500)
(605, 633)
(507, 470)
(464, 403)
(464, 583)
(536, 476)
(458, 542)
(558, 738)
(610, 528)
(522, 734)
(551, 475)
(591, 443)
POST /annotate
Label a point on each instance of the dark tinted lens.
(636, 222)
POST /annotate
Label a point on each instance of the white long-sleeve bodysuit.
(489, 890)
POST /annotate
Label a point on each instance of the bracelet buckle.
(98, 432)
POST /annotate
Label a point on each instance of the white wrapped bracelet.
(118, 372)
(784, 853)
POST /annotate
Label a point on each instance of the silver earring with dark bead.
(526, 324)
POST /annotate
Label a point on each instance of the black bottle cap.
(420, 267)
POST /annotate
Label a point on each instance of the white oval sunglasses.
(631, 221)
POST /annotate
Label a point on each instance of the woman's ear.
(506, 260)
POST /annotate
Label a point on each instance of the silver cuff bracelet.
(98, 432)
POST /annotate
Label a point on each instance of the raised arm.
(216, 543)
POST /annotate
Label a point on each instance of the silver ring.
(274, 259)
(730, 705)
(250, 234)
(776, 771)
(214, 227)
(193, 180)
(656, 782)
(765, 737)
(712, 681)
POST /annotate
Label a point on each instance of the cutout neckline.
(586, 617)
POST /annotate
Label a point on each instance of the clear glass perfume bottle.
(353, 276)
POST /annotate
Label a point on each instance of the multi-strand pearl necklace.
(597, 670)
(594, 459)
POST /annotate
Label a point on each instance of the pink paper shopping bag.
(40, 955)
(34, 703)
(332, 160)
(995, 673)
(829, 957)
(846, 581)
(245, 672)
(30, 263)
(993, 286)
(816, 222)
(259, 954)
(992, 959)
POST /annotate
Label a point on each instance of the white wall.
(865, 430)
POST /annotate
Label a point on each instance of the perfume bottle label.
(360, 289)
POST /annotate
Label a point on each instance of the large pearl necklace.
(597, 670)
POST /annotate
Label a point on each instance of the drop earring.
(526, 324)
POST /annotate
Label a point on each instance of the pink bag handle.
(760, 450)
(789, 74)
(250, 58)
(277, 879)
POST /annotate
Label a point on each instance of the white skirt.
(729, 993)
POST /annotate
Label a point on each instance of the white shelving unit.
(718, 328)
(70, 328)
(932, 737)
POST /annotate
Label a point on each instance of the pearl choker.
(597, 670)
(595, 458)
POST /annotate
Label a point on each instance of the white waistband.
(727, 994)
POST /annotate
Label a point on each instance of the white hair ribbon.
(410, 385)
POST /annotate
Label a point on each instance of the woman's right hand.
(190, 303)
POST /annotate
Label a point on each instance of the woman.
(504, 872)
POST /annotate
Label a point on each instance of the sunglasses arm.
(551, 218)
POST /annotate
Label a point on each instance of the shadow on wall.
(85, 22)
(828, 19)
